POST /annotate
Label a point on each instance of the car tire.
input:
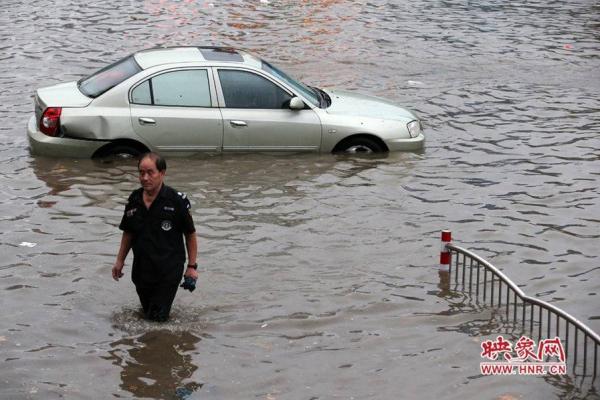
(359, 145)
(125, 151)
(119, 151)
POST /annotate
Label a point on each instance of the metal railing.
(486, 283)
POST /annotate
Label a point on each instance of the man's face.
(150, 177)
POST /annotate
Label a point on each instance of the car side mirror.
(296, 103)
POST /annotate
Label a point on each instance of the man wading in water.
(156, 220)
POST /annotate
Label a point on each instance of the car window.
(307, 92)
(188, 88)
(243, 89)
(141, 94)
(108, 77)
(182, 88)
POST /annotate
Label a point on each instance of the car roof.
(201, 54)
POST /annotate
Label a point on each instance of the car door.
(176, 111)
(256, 115)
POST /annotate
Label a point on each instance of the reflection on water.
(157, 364)
(316, 277)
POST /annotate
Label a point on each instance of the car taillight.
(50, 121)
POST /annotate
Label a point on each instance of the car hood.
(354, 104)
(62, 95)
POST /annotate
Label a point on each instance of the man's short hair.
(159, 161)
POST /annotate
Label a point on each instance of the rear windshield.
(108, 77)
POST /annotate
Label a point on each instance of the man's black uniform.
(158, 247)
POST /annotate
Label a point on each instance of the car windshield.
(304, 90)
(108, 77)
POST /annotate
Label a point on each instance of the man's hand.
(117, 270)
(191, 272)
(190, 277)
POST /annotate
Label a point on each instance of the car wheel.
(125, 152)
(359, 145)
(119, 151)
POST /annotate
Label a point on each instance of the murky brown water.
(317, 272)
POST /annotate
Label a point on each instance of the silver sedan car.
(184, 100)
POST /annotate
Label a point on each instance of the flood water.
(318, 275)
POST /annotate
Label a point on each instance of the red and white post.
(444, 252)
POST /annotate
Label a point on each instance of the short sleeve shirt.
(157, 236)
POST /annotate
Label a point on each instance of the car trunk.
(66, 95)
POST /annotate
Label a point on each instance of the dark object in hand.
(189, 283)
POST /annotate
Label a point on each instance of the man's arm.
(192, 247)
(117, 270)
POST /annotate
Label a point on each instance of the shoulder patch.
(185, 200)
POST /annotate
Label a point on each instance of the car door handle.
(238, 123)
(146, 121)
